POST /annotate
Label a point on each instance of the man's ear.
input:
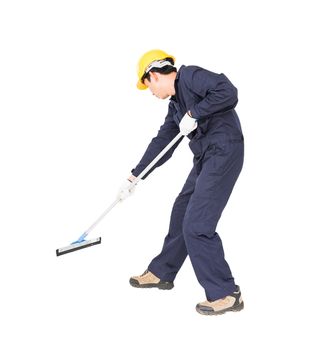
(154, 76)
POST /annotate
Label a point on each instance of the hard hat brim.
(141, 86)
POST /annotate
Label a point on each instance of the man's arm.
(166, 133)
(215, 90)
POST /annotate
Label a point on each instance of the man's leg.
(174, 252)
(213, 188)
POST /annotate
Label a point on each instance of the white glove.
(126, 190)
(187, 124)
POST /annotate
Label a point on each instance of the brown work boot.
(149, 280)
(231, 302)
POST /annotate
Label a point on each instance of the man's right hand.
(126, 190)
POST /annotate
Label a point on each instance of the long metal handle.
(101, 217)
(156, 159)
(138, 178)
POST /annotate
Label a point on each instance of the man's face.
(158, 85)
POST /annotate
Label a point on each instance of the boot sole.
(159, 285)
(221, 312)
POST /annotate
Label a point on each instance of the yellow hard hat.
(145, 62)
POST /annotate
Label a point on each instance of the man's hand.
(126, 189)
(187, 124)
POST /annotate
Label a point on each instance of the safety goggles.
(156, 64)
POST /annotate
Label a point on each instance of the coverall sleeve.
(166, 133)
(215, 91)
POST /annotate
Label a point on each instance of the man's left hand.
(187, 124)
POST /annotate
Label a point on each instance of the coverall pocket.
(221, 156)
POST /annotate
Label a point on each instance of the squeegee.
(81, 242)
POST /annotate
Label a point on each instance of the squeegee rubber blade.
(78, 246)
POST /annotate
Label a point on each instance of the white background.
(73, 125)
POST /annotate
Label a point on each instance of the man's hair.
(164, 70)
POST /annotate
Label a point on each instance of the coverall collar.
(175, 97)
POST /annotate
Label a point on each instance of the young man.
(201, 107)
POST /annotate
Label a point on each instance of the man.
(201, 107)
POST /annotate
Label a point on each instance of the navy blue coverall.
(217, 145)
